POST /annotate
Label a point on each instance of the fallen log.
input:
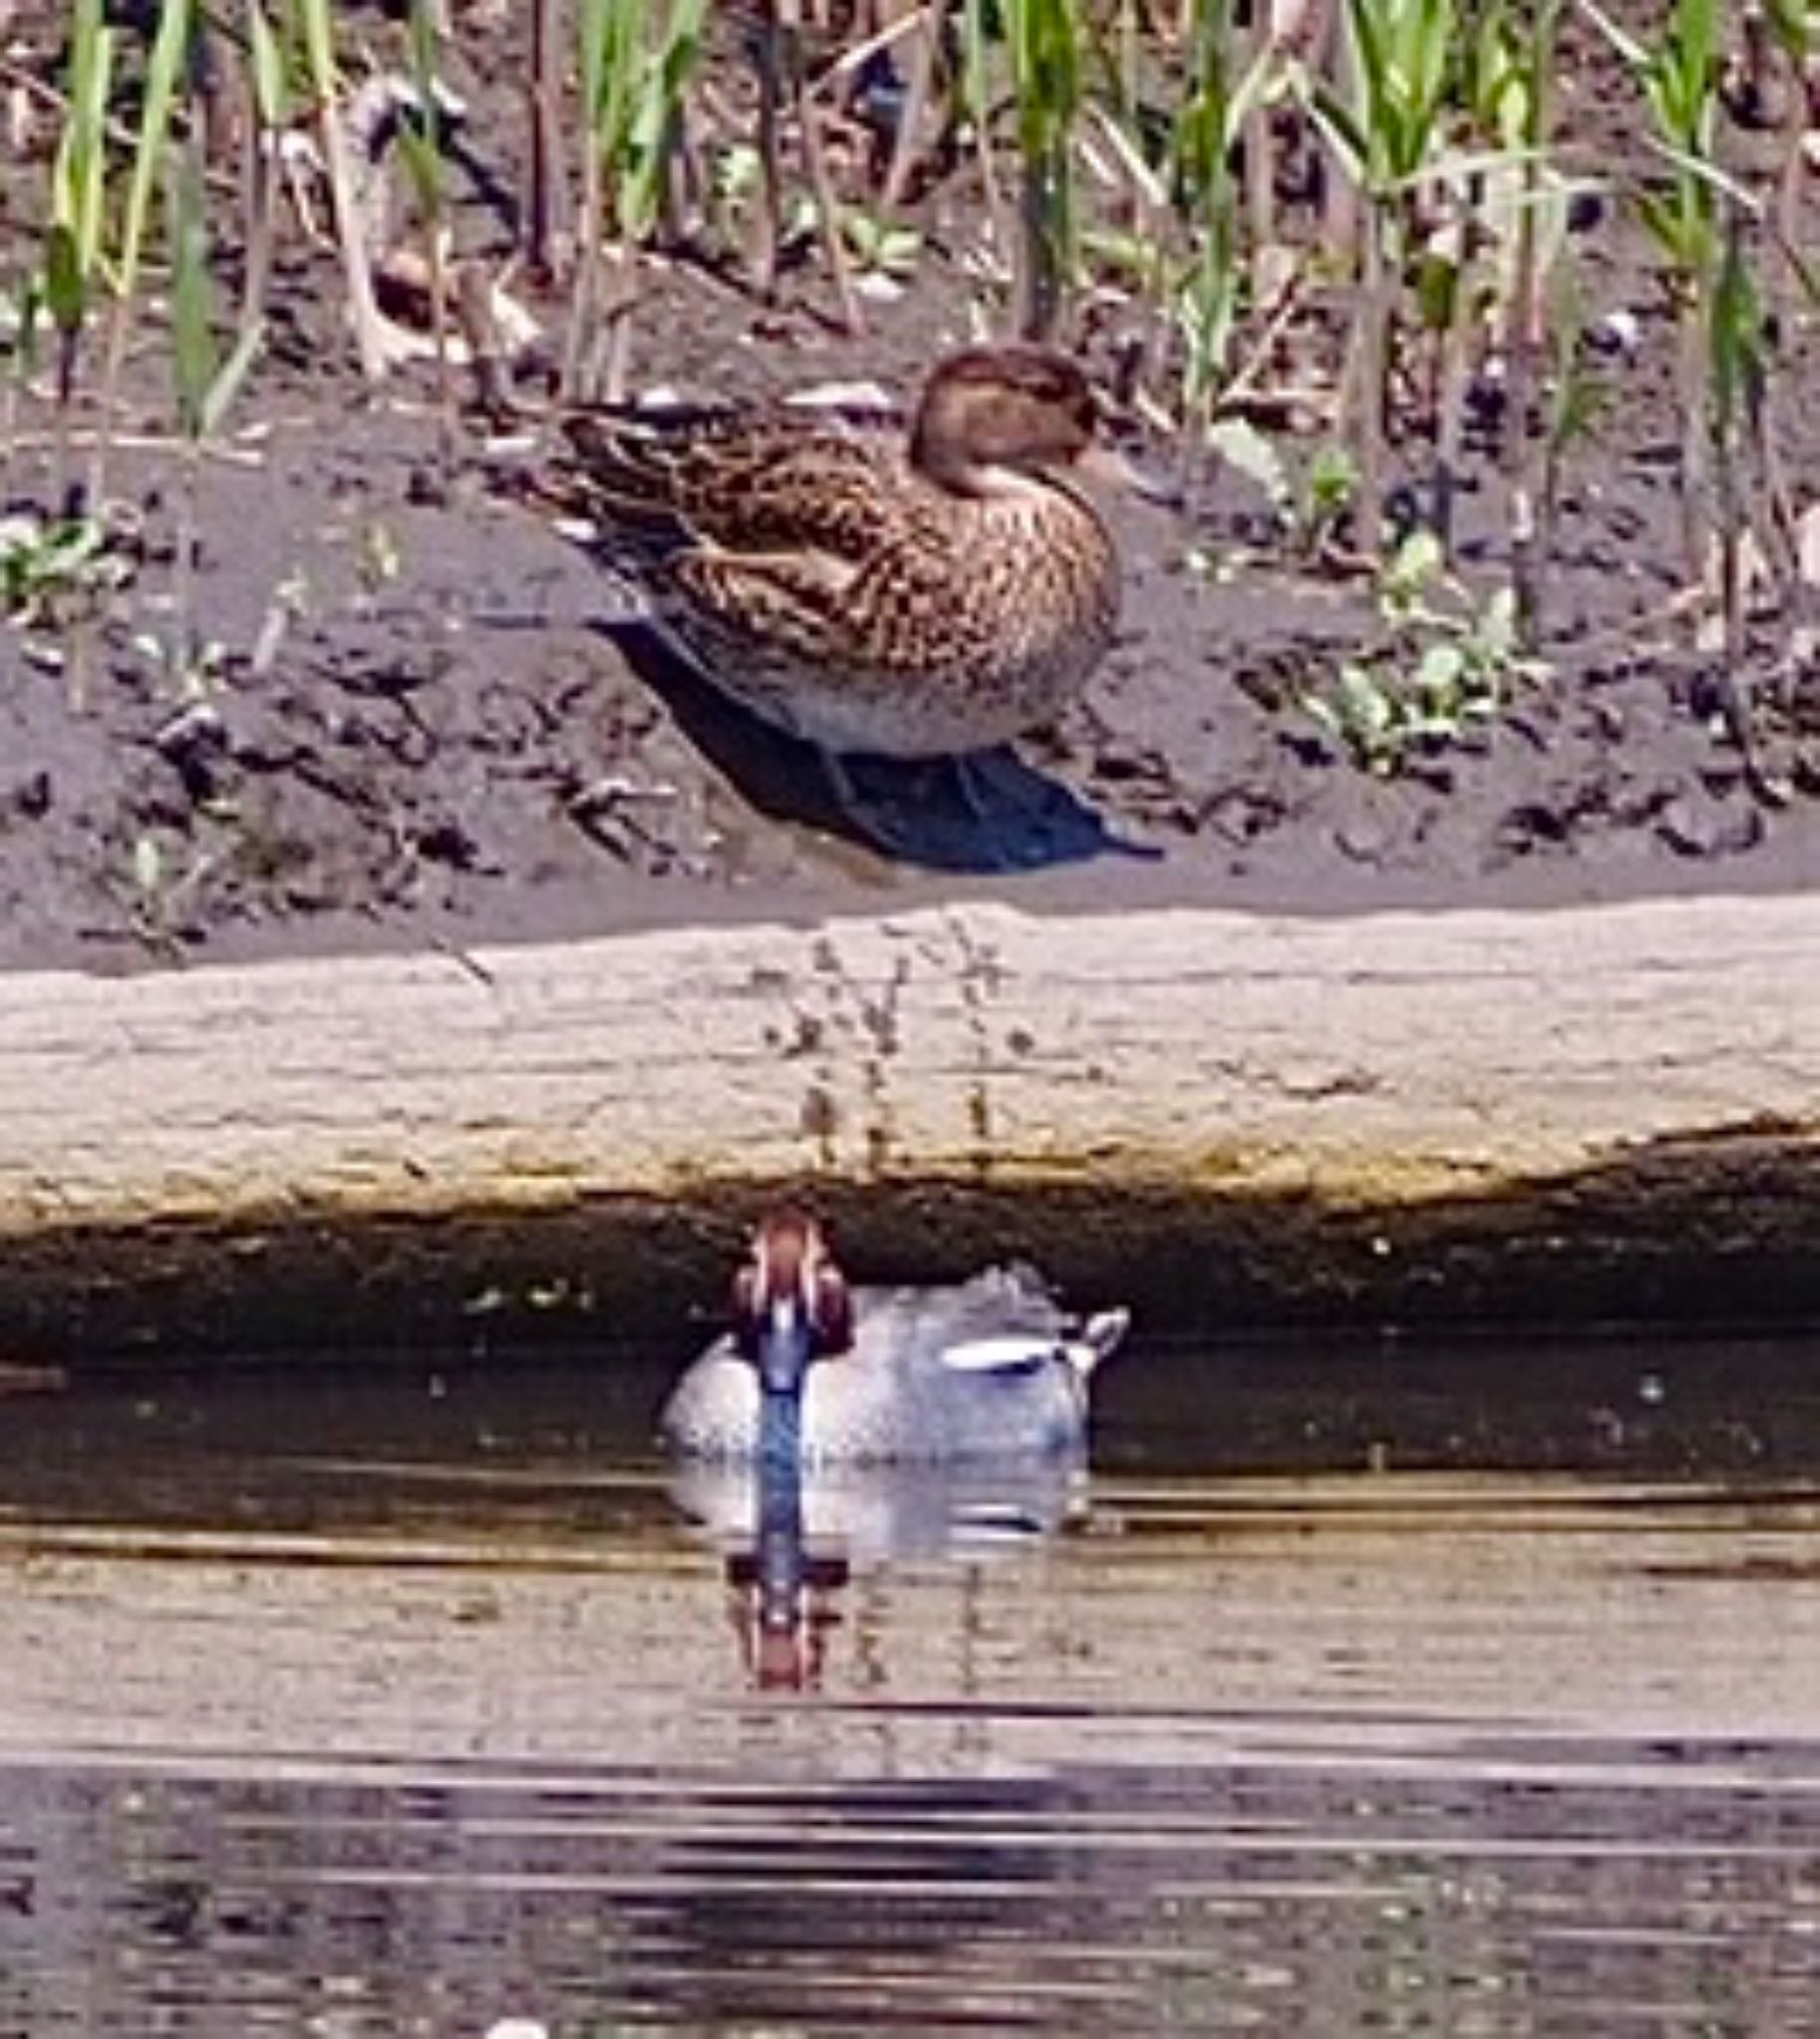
(1232, 1119)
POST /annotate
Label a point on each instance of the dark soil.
(414, 725)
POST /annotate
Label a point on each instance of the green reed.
(70, 278)
(165, 70)
(635, 60)
(205, 378)
(1696, 217)
(1045, 43)
(1125, 151)
(421, 145)
(1221, 100)
(1384, 130)
(273, 109)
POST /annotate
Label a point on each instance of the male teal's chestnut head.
(790, 1304)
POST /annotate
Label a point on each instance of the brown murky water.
(1466, 1692)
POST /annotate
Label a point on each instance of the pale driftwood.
(1267, 1088)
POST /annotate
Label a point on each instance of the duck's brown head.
(790, 1301)
(994, 420)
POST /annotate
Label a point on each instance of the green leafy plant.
(1453, 664)
(44, 561)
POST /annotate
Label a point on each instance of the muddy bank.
(389, 709)
(1512, 1117)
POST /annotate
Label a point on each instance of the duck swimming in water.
(812, 1372)
(919, 595)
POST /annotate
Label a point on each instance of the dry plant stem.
(183, 566)
(1455, 343)
(547, 237)
(162, 443)
(487, 351)
(1368, 370)
(437, 250)
(259, 204)
(827, 204)
(606, 375)
(1040, 283)
(1781, 520)
(1000, 226)
(1692, 376)
(69, 499)
(585, 305)
(1528, 503)
(213, 75)
(1245, 384)
(350, 233)
(1260, 181)
(766, 230)
(917, 90)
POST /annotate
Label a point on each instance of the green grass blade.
(271, 86)
(229, 378)
(80, 173)
(193, 351)
(164, 75)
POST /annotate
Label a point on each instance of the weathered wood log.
(1230, 1117)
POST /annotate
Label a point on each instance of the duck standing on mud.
(912, 595)
(812, 1374)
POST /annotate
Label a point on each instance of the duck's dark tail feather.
(621, 474)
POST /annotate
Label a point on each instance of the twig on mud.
(1243, 386)
(136, 442)
(465, 959)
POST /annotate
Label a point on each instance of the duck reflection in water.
(828, 1423)
(783, 1596)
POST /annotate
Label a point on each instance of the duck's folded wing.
(798, 602)
(731, 483)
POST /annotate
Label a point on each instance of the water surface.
(1370, 1690)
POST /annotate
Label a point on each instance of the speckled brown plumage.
(913, 596)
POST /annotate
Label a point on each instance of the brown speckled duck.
(910, 596)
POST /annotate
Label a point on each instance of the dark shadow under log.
(1233, 1122)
